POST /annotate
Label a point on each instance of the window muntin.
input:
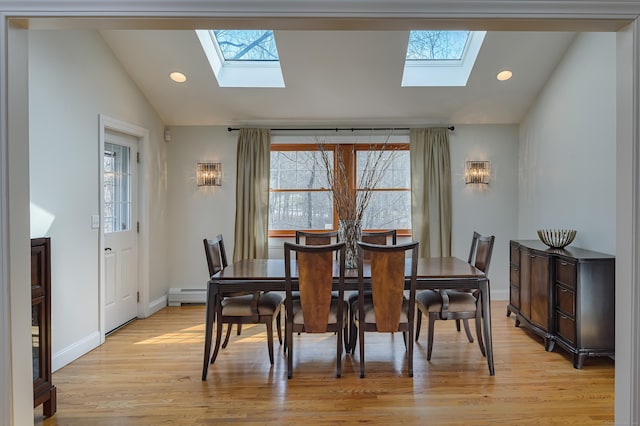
(299, 197)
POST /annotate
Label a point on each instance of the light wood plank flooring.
(149, 373)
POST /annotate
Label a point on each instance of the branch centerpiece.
(351, 200)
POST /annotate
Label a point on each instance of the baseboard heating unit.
(179, 296)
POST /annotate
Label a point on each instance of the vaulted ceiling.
(338, 78)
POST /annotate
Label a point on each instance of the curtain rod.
(337, 129)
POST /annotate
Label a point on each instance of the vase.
(349, 232)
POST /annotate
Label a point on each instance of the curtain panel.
(252, 195)
(431, 190)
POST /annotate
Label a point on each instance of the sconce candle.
(477, 172)
(209, 174)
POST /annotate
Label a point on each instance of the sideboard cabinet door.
(44, 392)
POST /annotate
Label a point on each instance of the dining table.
(434, 273)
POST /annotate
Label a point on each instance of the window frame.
(348, 151)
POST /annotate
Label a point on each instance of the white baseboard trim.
(178, 296)
(499, 294)
(158, 304)
(75, 351)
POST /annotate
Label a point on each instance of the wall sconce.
(209, 174)
(477, 172)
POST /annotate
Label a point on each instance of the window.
(298, 190)
(299, 195)
(440, 58)
(437, 45)
(390, 206)
(117, 192)
(242, 58)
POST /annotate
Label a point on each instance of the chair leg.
(409, 342)
(466, 330)
(432, 321)
(239, 329)
(353, 332)
(418, 322)
(339, 339)
(218, 339)
(458, 325)
(479, 330)
(289, 344)
(279, 324)
(269, 325)
(361, 337)
(226, 339)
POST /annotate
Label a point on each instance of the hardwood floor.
(149, 373)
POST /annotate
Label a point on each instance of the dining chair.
(454, 304)
(312, 238)
(315, 310)
(241, 308)
(371, 237)
(388, 310)
(316, 238)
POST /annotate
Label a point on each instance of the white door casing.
(119, 224)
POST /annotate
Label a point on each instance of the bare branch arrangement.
(351, 205)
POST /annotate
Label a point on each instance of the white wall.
(488, 209)
(568, 148)
(197, 213)
(73, 77)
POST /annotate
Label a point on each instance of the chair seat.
(298, 317)
(459, 301)
(240, 306)
(370, 315)
(296, 294)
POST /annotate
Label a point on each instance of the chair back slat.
(387, 286)
(310, 238)
(484, 248)
(379, 238)
(315, 280)
(472, 250)
(215, 253)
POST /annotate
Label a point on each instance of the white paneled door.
(120, 223)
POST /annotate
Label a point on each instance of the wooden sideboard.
(567, 296)
(44, 392)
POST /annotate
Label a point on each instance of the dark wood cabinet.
(44, 392)
(567, 296)
(535, 299)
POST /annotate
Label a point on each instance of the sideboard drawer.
(566, 272)
(566, 300)
(566, 327)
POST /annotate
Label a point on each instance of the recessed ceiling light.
(178, 77)
(504, 75)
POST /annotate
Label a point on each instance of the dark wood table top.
(449, 272)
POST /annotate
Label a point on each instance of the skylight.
(247, 45)
(441, 58)
(436, 45)
(242, 58)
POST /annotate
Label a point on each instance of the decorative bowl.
(557, 238)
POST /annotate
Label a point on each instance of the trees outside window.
(300, 197)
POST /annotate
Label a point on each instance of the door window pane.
(117, 188)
